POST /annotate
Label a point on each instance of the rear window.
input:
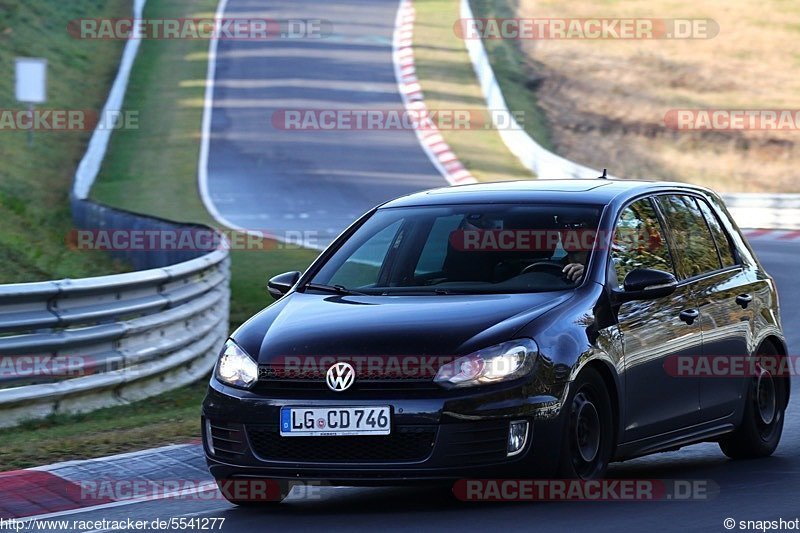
(720, 237)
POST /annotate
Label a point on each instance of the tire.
(588, 429)
(230, 492)
(762, 424)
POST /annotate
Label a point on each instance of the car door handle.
(689, 315)
(744, 300)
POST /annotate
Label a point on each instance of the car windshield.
(462, 249)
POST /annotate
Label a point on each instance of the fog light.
(517, 436)
(209, 438)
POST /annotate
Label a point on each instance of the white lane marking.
(205, 142)
(208, 104)
(92, 160)
(128, 455)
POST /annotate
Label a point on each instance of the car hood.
(323, 325)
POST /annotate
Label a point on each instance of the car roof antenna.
(605, 175)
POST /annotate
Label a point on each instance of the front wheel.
(589, 432)
(762, 424)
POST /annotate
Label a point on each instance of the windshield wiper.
(428, 291)
(334, 289)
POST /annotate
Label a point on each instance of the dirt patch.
(606, 101)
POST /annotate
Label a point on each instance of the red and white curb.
(771, 234)
(434, 145)
(78, 486)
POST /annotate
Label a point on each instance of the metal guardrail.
(755, 210)
(77, 345)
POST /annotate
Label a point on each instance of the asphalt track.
(265, 178)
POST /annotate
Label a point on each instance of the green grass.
(173, 417)
(35, 181)
(153, 170)
(448, 82)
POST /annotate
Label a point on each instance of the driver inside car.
(495, 265)
(575, 266)
(576, 258)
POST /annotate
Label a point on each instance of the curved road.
(265, 178)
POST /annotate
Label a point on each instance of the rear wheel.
(589, 432)
(765, 405)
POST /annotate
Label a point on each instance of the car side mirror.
(647, 284)
(282, 283)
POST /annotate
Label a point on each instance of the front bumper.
(436, 439)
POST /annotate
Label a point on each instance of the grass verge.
(173, 417)
(448, 82)
(35, 180)
(517, 78)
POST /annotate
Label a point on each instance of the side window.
(693, 243)
(720, 237)
(639, 241)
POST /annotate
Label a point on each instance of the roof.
(578, 191)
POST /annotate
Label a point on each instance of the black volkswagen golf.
(519, 329)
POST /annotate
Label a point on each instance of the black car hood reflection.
(321, 324)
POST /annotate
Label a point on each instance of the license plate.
(335, 421)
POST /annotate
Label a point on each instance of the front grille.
(405, 444)
(269, 372)
(228, 440)
(273, 380)
(320, 388)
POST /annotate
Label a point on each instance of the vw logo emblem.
(340, 376)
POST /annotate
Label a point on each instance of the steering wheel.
(555, 268)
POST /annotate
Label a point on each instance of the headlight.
(503, 362)
(235, 367)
